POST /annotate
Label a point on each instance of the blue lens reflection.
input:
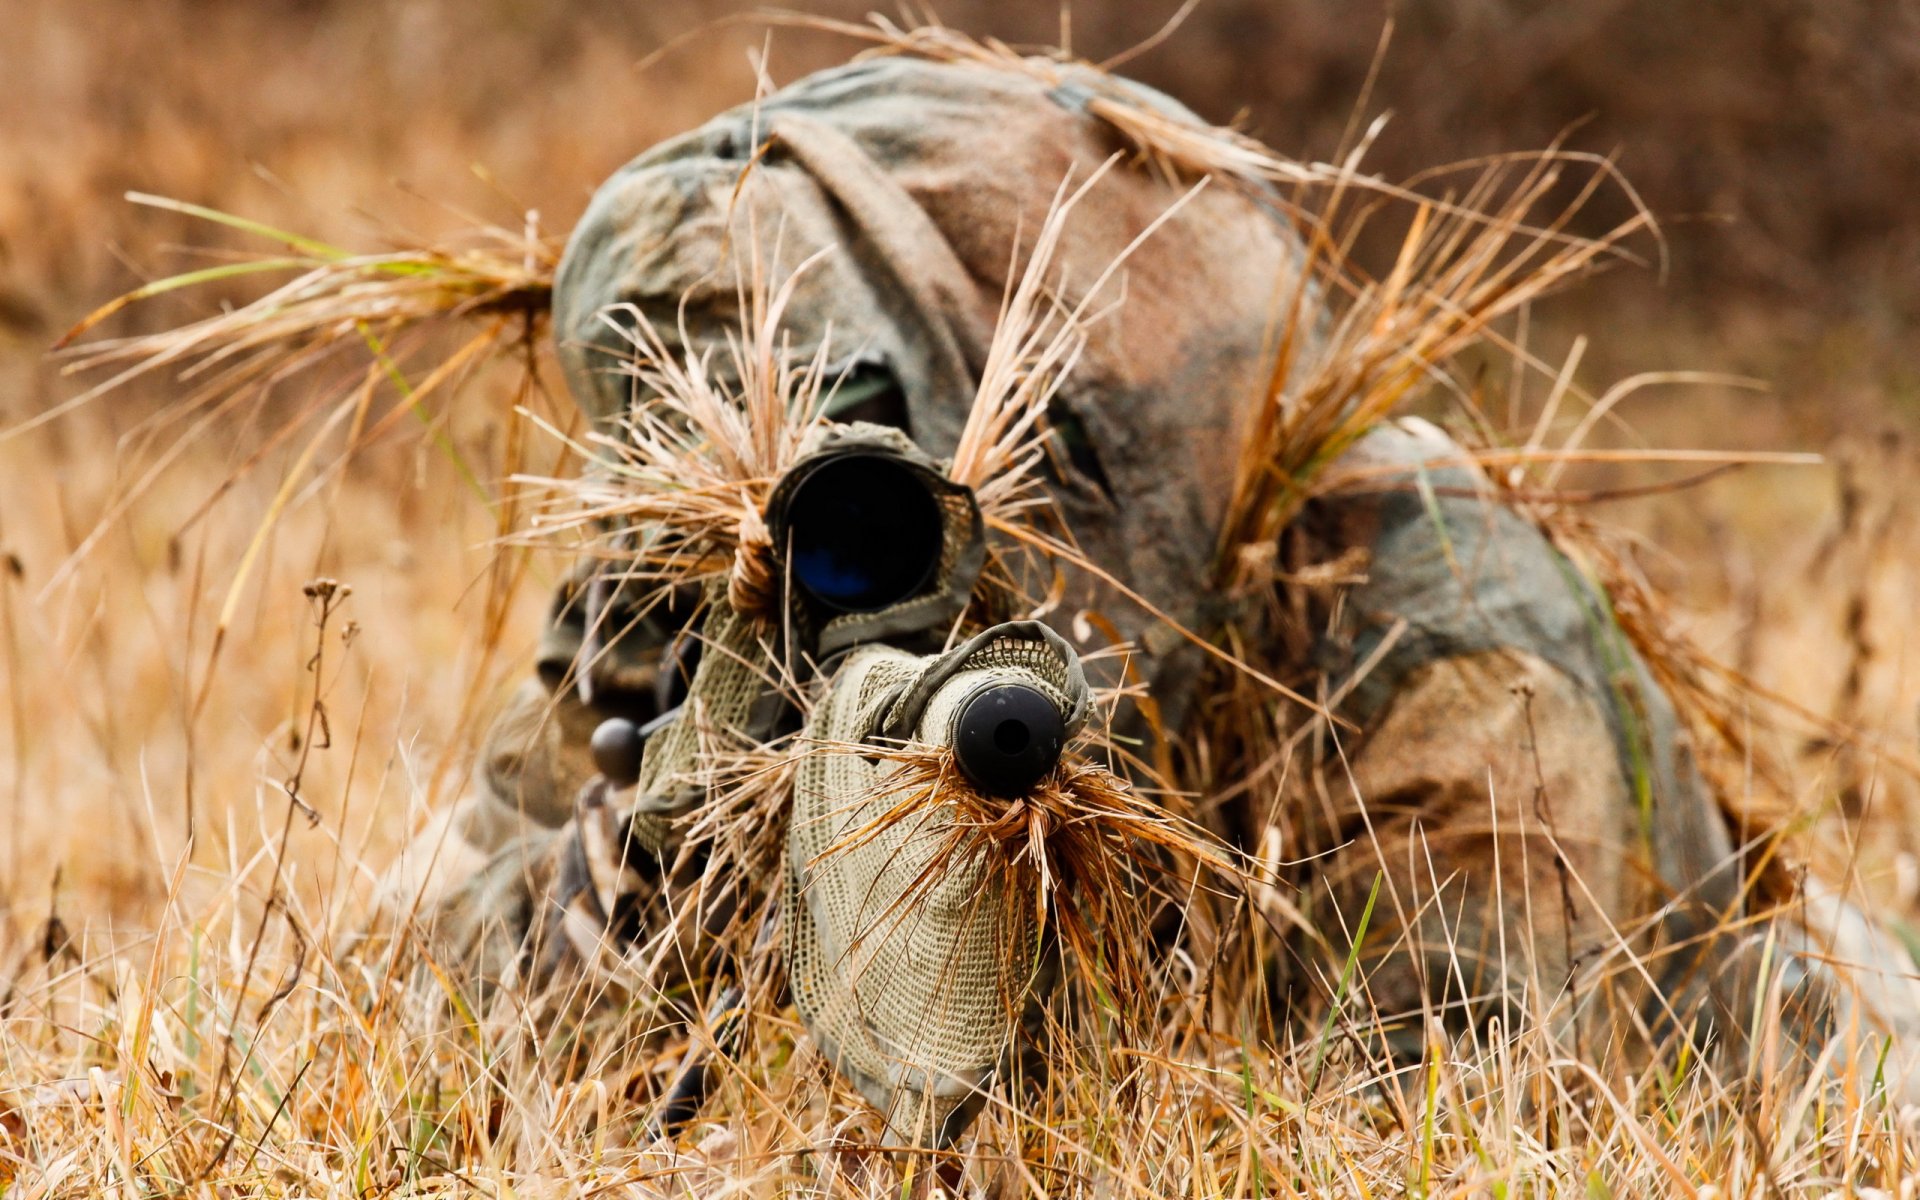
(864, 533)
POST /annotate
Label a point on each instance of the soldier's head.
(926, 184)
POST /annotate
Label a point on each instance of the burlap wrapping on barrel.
(907, 960)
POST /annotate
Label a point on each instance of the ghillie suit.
(1292, 646)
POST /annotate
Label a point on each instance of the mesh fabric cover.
(721, 703)
(911, 979)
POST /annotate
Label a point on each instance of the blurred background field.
(1777, 141)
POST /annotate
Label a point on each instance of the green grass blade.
(185, 279)
(440, 437)
(1346, 978)
(311, 246)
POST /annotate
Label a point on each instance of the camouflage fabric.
(1519, 783)
(1527, 796)
(1510, 734)
(879, 163)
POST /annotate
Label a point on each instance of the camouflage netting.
(907, 959)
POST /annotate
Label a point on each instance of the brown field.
(158, 665)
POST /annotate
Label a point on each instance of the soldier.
(1517, 784)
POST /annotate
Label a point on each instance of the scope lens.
(864, 533)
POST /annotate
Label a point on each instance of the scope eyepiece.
(863, 533)
(1007, 738)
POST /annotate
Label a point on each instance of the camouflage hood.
(926, 184)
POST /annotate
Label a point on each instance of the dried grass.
(338, 297)
(342, 1089)
(694, 461)
(219, 1055)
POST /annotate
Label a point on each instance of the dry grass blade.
(1337, 377)
(337, 296)
(1082, 855)
(385, 304)
(683, 483)
(1036, 343)
(1034, 346)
